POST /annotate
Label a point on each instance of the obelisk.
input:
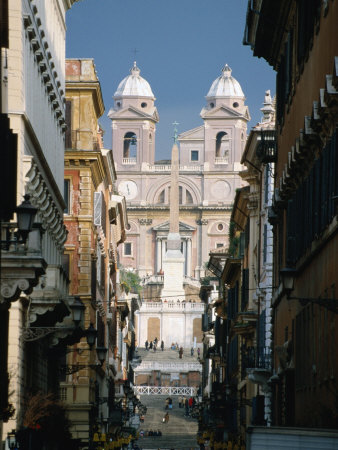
(173, 262)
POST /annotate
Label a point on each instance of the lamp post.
(25, 215)
(11, 440)
(78, 309)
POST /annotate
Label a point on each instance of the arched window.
(188, 198)
(150, 143)
(130, 145)
(222, 145)
(185, 197)
(161, 197)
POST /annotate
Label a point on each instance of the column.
(185, 256)
(188, 257)
(158, 255)
(163, 252)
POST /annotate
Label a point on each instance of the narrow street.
(179, 433)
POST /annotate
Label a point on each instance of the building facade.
(32, 107)
(299, 39)
(96, 219)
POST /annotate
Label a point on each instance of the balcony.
(221, 160)
(172, 307)
(267, 150)
(129, 161)
(256, 360)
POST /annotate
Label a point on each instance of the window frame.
(131, 249)
(198, 155)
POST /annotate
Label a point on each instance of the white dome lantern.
(225, 86)
(134, 86)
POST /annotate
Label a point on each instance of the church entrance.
(154, 329)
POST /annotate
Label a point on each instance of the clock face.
(128, 188)
(220, 189)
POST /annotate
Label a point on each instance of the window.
(220, 227)
(265, 242)
(68, 118)
(222, 145)
(65, 263)
(127, 249)
(194, 155)
(66, 195)
(129, 145)
(219, 245)
(161, 197)
(188, 198)
(235, 104)
(143, 105)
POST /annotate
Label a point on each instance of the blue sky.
(181, 45)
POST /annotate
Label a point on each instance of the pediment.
(195, 133)
(221, 112)
(182, 227)
(132, 113)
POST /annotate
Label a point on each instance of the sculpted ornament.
(145, 221)
(11, 290)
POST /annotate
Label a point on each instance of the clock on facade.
(128, 188)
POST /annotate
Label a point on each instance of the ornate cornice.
(48, 212)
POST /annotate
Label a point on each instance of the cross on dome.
(135, 70)
(226, 71)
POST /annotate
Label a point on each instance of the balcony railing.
(167, 168)
(255, 358)
(128, 161)
(221, 160)
(266, 150)
(172, 306)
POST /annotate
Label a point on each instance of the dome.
(134, 85)
(225, 85)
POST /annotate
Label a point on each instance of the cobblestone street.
(179, 433)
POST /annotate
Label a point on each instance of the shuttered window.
(312, 207)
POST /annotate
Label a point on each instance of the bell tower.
(134, 117)
(225, 123)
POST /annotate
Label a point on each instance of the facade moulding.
(51, 218)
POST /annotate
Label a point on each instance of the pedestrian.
(146, 344)
(166, 418)
(190, 403)
(198, 352)
(192, 351)
(170, 403)
(180, 353)
(180, 401)
(154, 347)
(155, 341)
(151, 345)
(162, 346)
(167, 403)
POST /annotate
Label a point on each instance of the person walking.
(192, 351)
(151, 345)
(162, 346)
(180, 401)
(166, 418)
(170, 403)
(146, 344)
(198, 352)
(167, 403)
(180, 353)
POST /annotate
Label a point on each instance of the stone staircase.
(179, 433)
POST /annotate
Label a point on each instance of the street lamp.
(91, 334)
(11, 440)
(25, 216)
(101, 354)
(77, 308)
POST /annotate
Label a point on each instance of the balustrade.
(165, 390)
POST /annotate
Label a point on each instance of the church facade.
(208, 173)
(208, 176)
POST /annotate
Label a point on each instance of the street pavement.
(179, 433)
